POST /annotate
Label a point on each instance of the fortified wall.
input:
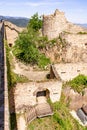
(4, 103)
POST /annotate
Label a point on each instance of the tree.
(25, 47)
(35, 22)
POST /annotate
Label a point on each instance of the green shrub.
(43, 61)
(82, 33)
(78, 83)
(27, 44)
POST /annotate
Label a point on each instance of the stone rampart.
(4, 105)
(6, 100)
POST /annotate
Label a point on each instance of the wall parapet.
(6, 101)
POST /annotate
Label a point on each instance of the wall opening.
(44, 93)
(10, 44)
(41, 93)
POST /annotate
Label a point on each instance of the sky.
(75, 10)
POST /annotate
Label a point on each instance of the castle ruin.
(57, 23)
(54, 24)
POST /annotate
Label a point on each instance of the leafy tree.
(35, 22)
(27, 44)
(25, 48)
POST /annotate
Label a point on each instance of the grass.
(60, 120)
(78, 83)
(11, 76)
(13, 123)
(82, 33)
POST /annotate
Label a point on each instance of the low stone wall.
(69, 71)
(12, 32)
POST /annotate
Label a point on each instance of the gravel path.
(29, 72)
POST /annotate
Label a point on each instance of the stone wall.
(71, 49)
(69, 71)
(76, 100)
(56, 23)
(76, 49)
(4, 105)
(12, 32)
(6, 100)
(25, 94)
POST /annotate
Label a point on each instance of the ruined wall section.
(76, 49)
(12, 32)
(54, 24)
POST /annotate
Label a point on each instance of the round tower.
(54, 24)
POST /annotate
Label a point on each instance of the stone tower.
(54, 24)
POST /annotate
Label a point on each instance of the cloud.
(32, 4)
(1, 3)
(35, 4)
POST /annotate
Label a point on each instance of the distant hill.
(19, 21)
(82, 25)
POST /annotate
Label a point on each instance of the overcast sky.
(75, 10)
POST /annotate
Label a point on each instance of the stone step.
(43, 109)
(31, 115)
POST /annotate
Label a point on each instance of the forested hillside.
(19, 21)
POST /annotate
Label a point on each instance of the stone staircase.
(42, 109)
